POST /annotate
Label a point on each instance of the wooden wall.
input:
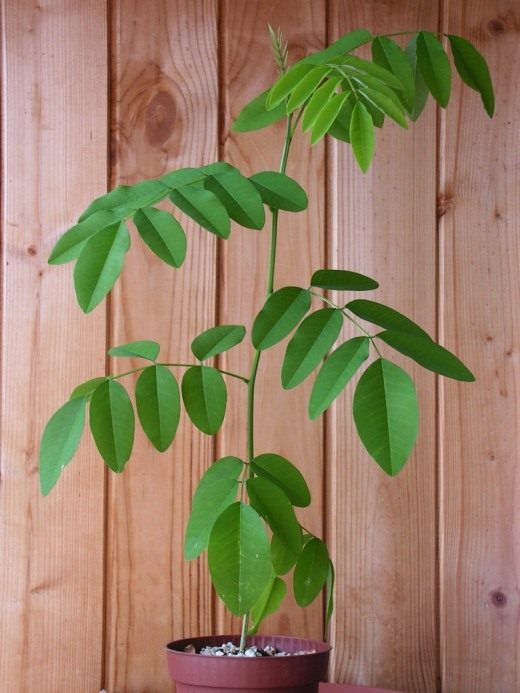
(92, 581)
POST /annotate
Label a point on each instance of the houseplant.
(334, 92)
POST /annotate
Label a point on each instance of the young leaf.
(362, 136)
(205, 397)
(158, 405)
(87, 388)
(285, 475)
(269, 603)
(386, 317)
(329, 597)
(473, 70)
(342, 280)
(345, 44)
(239, 558)
(386, 414)
(311, 571)
(99, 265)
(204, 207)
(278, 191)
(284, 86)
(420, 89)
(428, 354)
(384, 104)
(239, 196)
(112, 424)
(310, 344)
(72, 242)
(434, 66)
(318, 101)
(255, 115)
(129, 197)
(306, 87)
(327, 116)
(216, 340)
(143, 349)
(335, 373)
(388, 54)
(281, 313)
(60, 441)
(163, 234)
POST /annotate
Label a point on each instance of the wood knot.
(160, 118)
(498, 599)
(31, 250)
(496, 27)
(445, 201)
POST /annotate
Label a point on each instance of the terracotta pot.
(194, 673)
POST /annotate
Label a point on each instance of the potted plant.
(243, 510)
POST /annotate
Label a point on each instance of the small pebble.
(228, 649)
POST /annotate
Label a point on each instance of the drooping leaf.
(72, 242)
(239, 558)
(335, 373)
(428, 354)
(284, 474)
(329, 597)
(283, 558)
(386, 414)
(112, 424)
(60, 441)
(434, 66)
(204, 395)
(99, 265)
(278, 191)
(311, 571)
(327, 116)
(390, 55)
(318, 101)
(473, 70)
(386, 317)
(310, 344)
(420, 89)
(87, 388)
(342, 280)
(143, 349)
(362, 135)
(204, 207)
(129, 197)
(239, 197)
(345, 44)
(255, 115)
(306, 87)
(287, 82)
(163, 234)
(281, 313)
(269, 603)
(158, 405)
(216, 340)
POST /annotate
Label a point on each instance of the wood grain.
(382, 531)
(480, 423)
(164, 96)
(54, 138)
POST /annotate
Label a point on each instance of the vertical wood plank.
(165, 102)
(54, 136)
(282, 425)
(383, 531)
(480, 423)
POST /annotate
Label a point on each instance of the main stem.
(289, 132)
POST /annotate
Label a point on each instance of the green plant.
(255, 540)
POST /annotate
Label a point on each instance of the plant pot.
(194, 673)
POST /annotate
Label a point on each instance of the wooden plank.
(382, 531)
(480, 423)
(54, 139)
(281, 422)
(164, 93)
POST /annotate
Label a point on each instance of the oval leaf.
(283, 558)
(281, 313)
(163, 234)
(239, 196)
(473, 70)
(255, 115)
(390, 55)
(158, 405)
(420, 89)
(129, 197)
(71, 243)
(434, 66)
(285, 475)
(386, 317)
(305, 87)
(317, 102)
(144, 349)
(205, 397)
(284, 86)
(327, 116)
(278, 191)
(112, 424)
(355, 65)
(269, 602)
(342, 280)
(386, 414)
(345, 44)
(362, 135)
(87, 388)
(204, 207)
(385, 104)
(310, 574)
(216, 340)
(329, 597)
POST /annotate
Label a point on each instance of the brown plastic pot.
(195, 673)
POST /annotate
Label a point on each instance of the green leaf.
(269, 603)
(163, 234)
(129, 198)
(281, 313)
(345, 44)
(342, 280)
(285, 475)
(310, 574)
(386, 414)
(428, 354)
(278, 191)
(336, 372)
(205, 397)
(99, 265)
(143, 349)
(216, 340)
(72, 242)
(421, 90)
(310, 344)
(239, 558)
(327, 116)
(112, 424)
(385, 104)
(283, 558)
(386, 317)
(87, 388)
(352, 64)
(284, 86)
(272, 504)
(239, 196)
(158, 405)
(204, 207)
(329, 597)
(388, 54)
(318, 101)
(473, 70)
(60, 441)
(255, 115)
(306, 87)
(434, 66)
(362, 136)
(340, 128)
(181, 178)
